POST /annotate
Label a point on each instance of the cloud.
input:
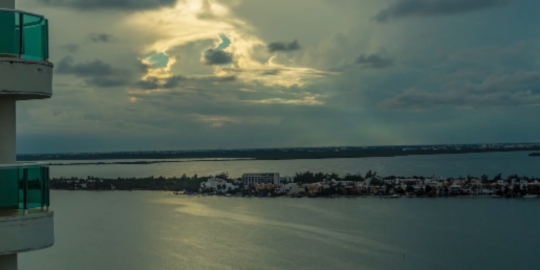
(283, 46)
(96, 73)
(375, 61)
(494, 91)
(153, 83)
(107, 81)
(158, 65)
(430, 8)
(101, 37)
(422, 100)
(307, 101)
(217, 57)
(72, 48)
(270, 72)
(206, 12)
(95, 68)
(110, 4)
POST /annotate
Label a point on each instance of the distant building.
(286, 179)
(217, 184)
(260, 178)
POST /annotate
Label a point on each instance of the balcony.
(25, 72)
(23, 35)
(24, 187)
(26, 223)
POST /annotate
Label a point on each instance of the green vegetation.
(288, 153)
(319, 184)
(184, 182)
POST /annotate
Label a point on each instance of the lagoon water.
(438, 165)
(143, 230)
(157, 230)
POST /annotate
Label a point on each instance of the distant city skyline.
(136, 75)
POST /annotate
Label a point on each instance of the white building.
(25, 74)
(455, 188)
(434, 183)
(260, 178)
(342, 183)
(217, 184)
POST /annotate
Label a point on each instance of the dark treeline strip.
(276, 154)
(140, 162)
(192, 183)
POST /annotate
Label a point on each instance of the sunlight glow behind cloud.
(245, 73)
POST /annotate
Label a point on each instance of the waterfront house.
(455, 189)
(434, 183)
(218, 185)
(295, 189)
(346, 184)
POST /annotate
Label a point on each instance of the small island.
(308, 184)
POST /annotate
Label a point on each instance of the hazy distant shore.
(143, 162)
(277, 153)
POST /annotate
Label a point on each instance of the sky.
(133, 75)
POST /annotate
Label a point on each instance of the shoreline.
(273, 154)
(150, 161)
(170, 192)
(309, 184)
(144, 162)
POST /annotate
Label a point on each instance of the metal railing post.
(21, 37)
(25, 191)
(43, 183)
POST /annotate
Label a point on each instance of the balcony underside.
(25, 79)
(22, 233)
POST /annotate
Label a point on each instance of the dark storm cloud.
(143, 67)
(283, 46)
(101, 37)
(429, 8)
(375, 61)
(96, 73)
(217, 57)
(148, 84)
(110, 4)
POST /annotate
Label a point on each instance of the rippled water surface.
(439, 165)
(157, 230)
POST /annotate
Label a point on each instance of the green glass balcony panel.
(31, 43)
(9, 189)
(34, 37)
(35, 186)
(24, 187)
(10, 34)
